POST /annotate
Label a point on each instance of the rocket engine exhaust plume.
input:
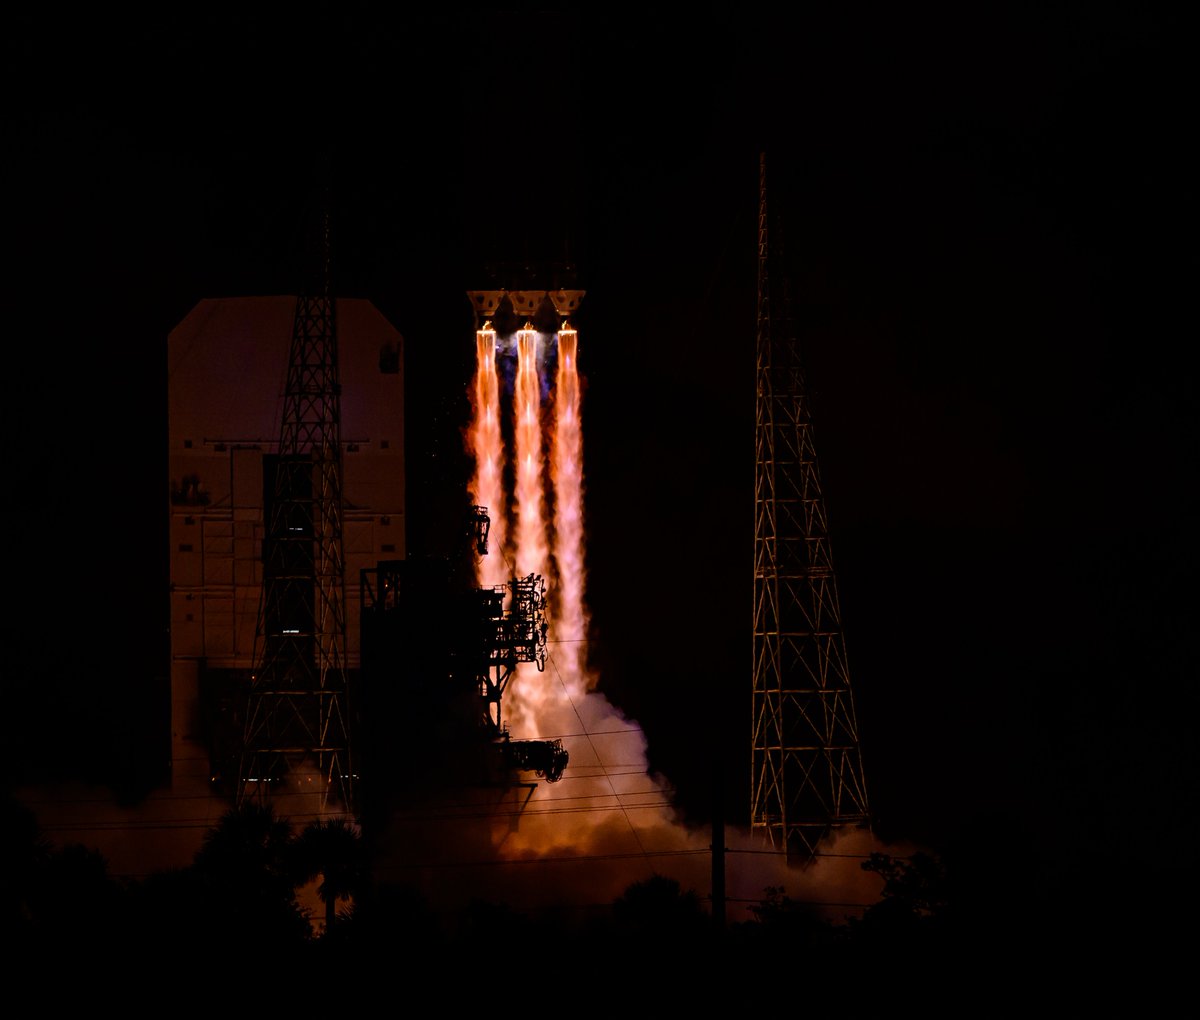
(487, 485)
(609, 821)
(608, 803)
(531, 549)
(532, 552)
(566, 471)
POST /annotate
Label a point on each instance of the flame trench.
(487, 444)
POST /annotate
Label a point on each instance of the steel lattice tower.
(807, 775)
(297, 719)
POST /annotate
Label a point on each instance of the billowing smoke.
(580, 842)
(163, 831)
(610, 821)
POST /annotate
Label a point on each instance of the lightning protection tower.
(807, 776)
(297, 722)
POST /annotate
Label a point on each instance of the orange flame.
(566, 469)
(487, 447)
(532, 551)
(609, 804)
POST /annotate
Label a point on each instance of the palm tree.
(245, 865)
(332, 849)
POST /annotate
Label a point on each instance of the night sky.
(990, 232)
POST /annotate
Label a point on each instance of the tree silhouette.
(658, 908)
(333, 850)
(781, 920)
(913, 904)
(24, 852)
(54, 900)
(390, 919)
(245, 867)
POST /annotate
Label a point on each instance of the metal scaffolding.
(297, 722)
(807, 775)
(438, 658)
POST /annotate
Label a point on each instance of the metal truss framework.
(488, 633)
(298, 717)
(807, 776)
(505, 638)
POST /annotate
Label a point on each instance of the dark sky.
(990, 223)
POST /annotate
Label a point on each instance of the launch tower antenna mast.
(297, 722)
(807, 777)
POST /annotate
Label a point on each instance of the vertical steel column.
(806, 768)
(298, 716)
